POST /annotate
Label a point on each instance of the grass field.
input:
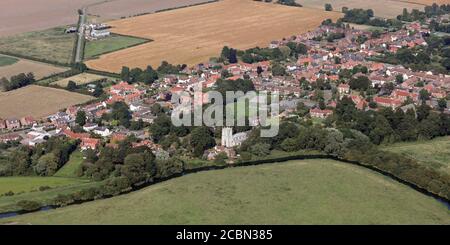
(434, 153)
(28, 184)
(70, 168)
(113, 43)
(7, 61)
(296, 192)
(379, 6)
(52, 45)
(37, 101)
(79, 79)
(193, 35)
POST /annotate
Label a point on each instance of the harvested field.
(117, 9)
(382, 8)
(19, 16)
(39, 70)
(37, 101)
(193, 35)
(426, 2)
(79, 79)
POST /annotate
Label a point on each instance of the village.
(394, 86)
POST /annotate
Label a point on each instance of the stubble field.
(39, 70)
(193, 35)
(382, 8)
(37, 101)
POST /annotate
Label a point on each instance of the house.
(344, 88)
(27, 121)
(102, 131)
(2, 124)
(90, 126)
(9, 137)
(388, 102)
(89, 143)
(318, 113)
(12, 123)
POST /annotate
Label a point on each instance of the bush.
(29, 206)
(44, 188)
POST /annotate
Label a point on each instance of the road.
(80, 42)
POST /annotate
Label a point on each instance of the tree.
(47, 165)
(328, 7)
(121, 113)
(399, 78)
(260, 149)
(71, 86)
(201, 140)
(360, 83)
(125, 74)
(80, 119)
(278, 70)
(139, 167)
(424, 95)
(442, 104)
(344, 9)
(233, 56)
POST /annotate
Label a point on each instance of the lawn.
(113, 43)
(80, 79)
(71, 167)
(6, 60)
(295, 192)
(30, 184)
(50, 45)
(434, 153)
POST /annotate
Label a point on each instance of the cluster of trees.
(440, 27)
(366, 17)
(136, 165)
(17, 81)
(330, 37)
(435, 57)
(389, 126)
(429, 11)
(244, 85)
(43, 160)
(147, 76)
(229, 54)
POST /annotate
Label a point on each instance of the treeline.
(17, 81)
(255, 55)
(43, 160)
(292, 3)
(429, 11)
(366, 17)
(149, 75)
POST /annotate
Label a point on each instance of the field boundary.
(441, 199)
(48, 62)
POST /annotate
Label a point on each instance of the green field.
(29, 184)
(6, 61)
(113, 43)
(295, 192)
(51, 45)
(434, 153)
(70, 168)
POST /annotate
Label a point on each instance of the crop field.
(110, 44)
(50, 45)
(295, 192)
(39, 70)
(19, 16)
(381, 8)
(79, 79)
(434, 153)
(37, 101)
(193, 35)
(29, 184)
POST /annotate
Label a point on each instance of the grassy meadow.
(433, 153)
(113, 43)
(295, 192)
(6, 60)
(52, 45)
(69, 170)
